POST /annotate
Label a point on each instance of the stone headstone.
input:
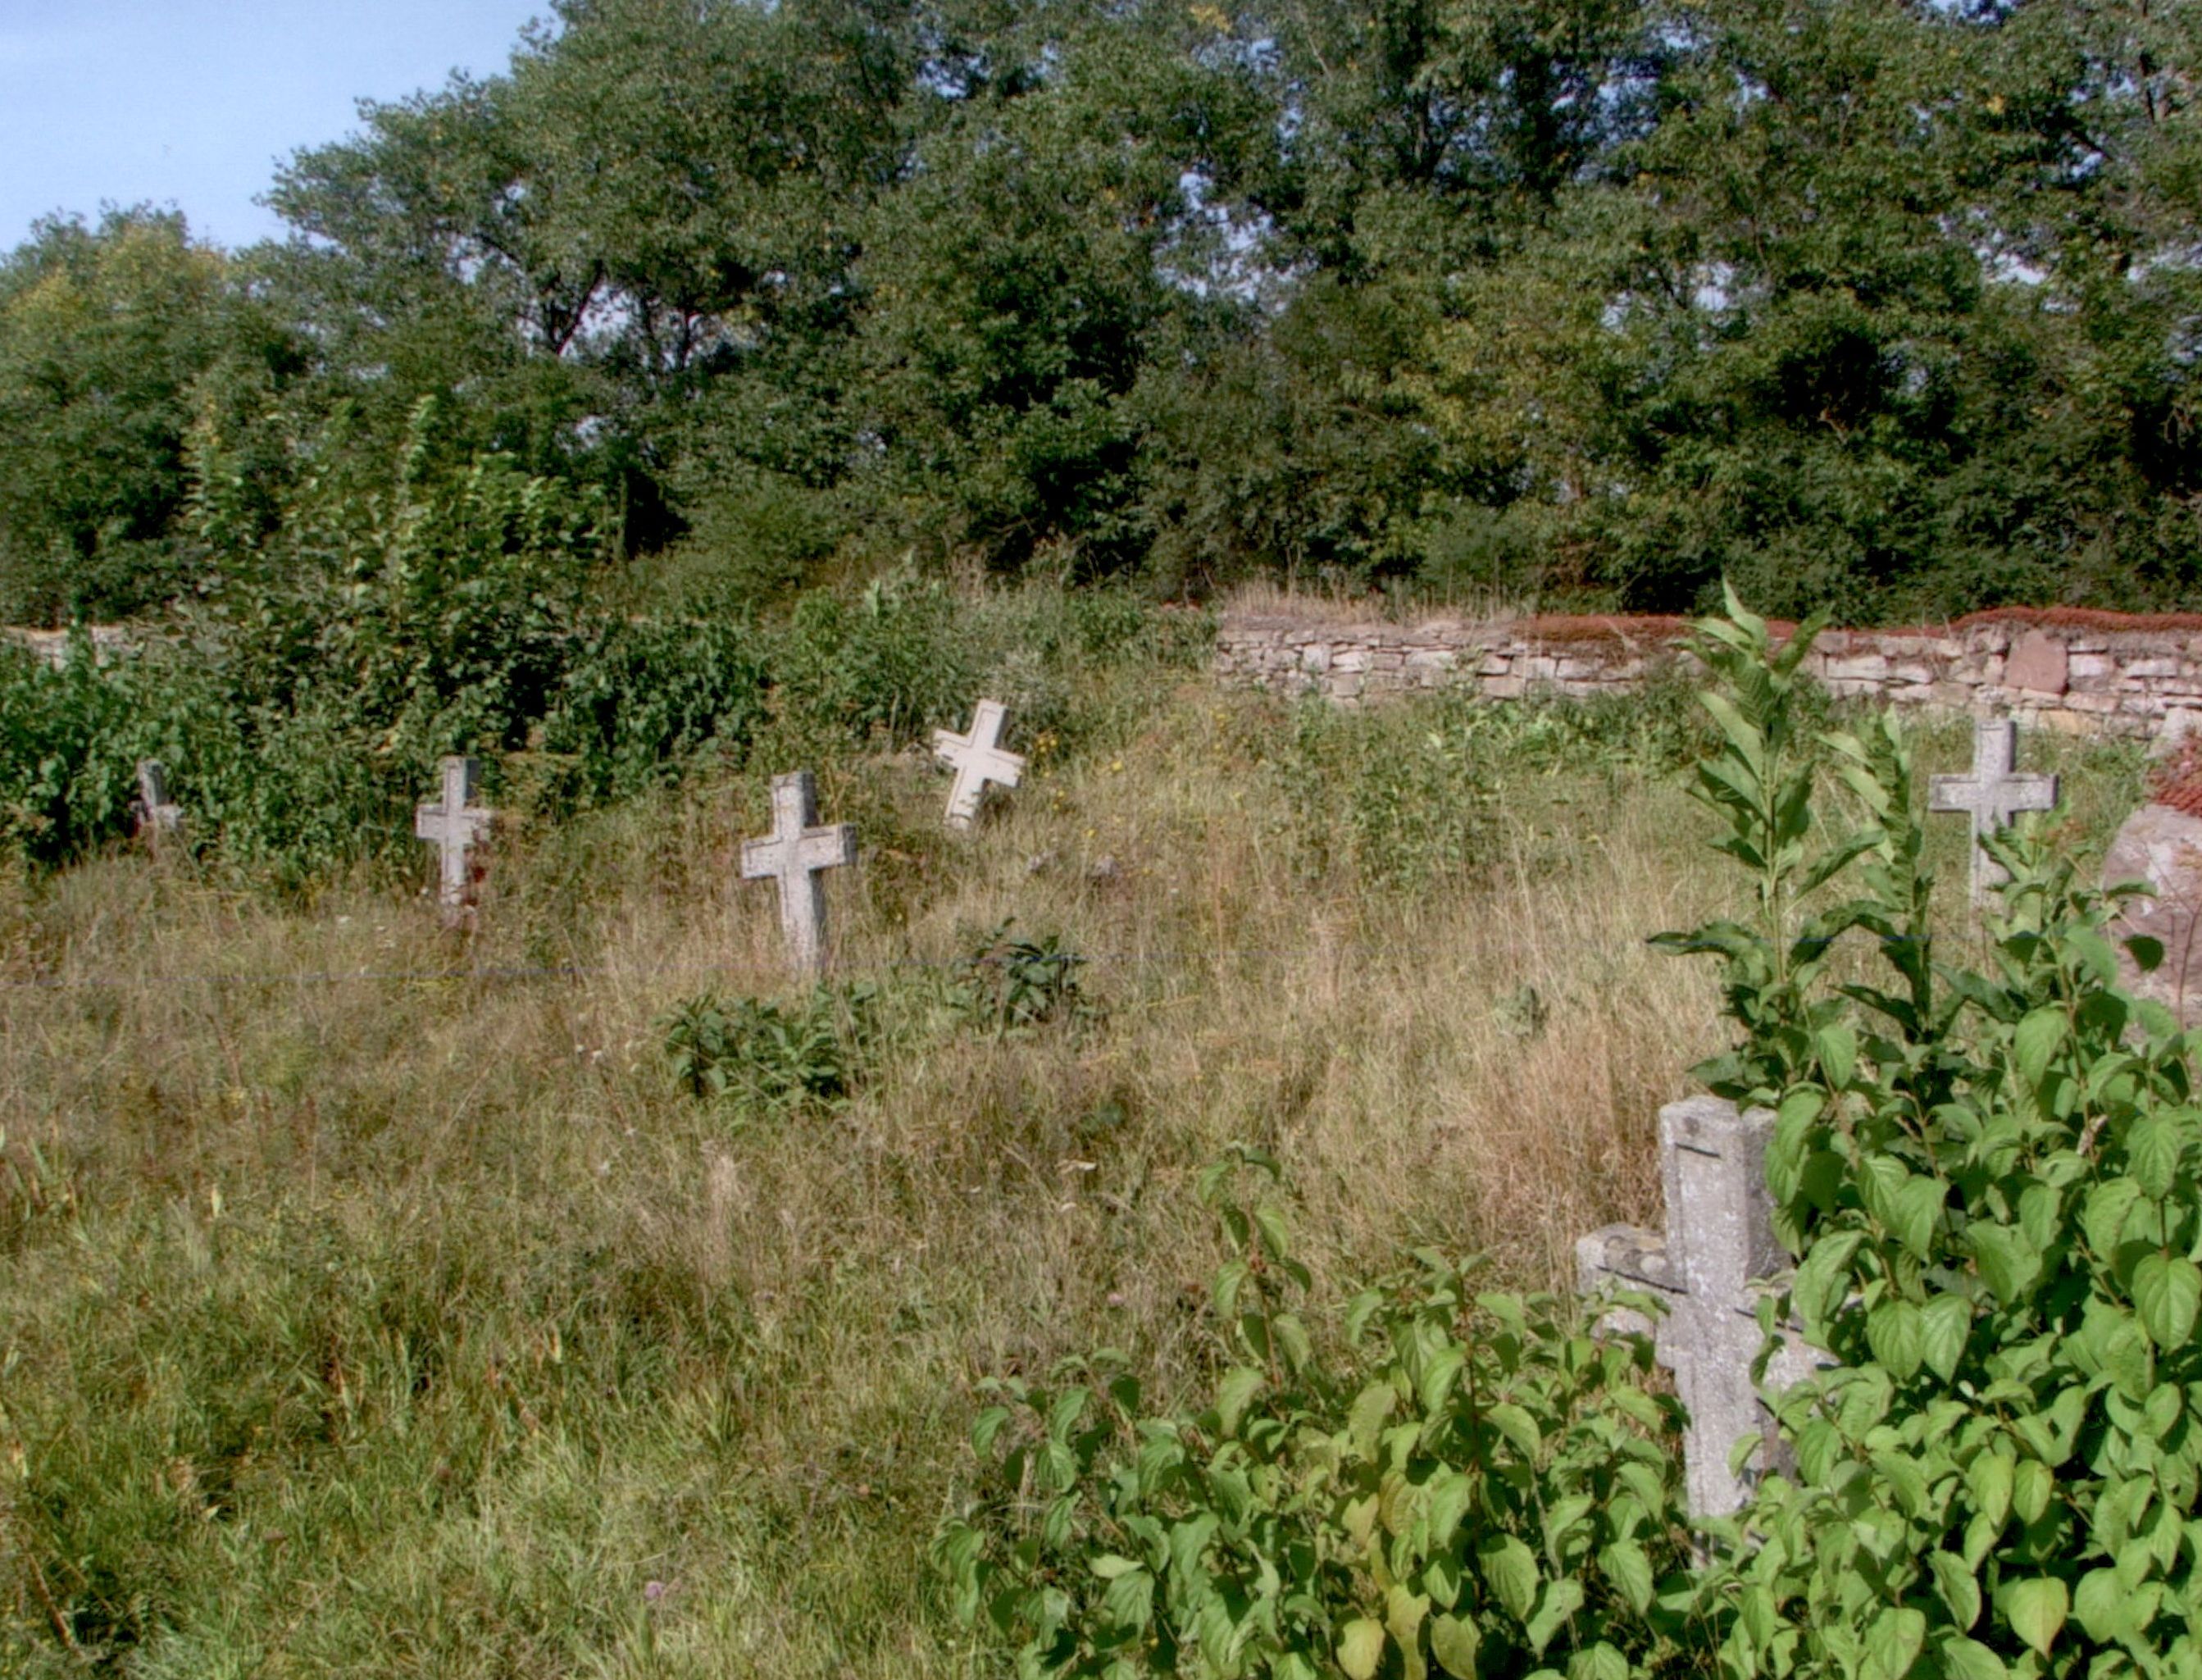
(1718, 1243)
(978, 758)
(792, 854)
(159, 819)
(1993, 794)
(2160, 846)
(454, 825)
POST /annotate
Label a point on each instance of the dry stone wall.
(2061, 669)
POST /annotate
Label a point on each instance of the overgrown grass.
(375, 1301)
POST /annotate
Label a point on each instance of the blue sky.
(191, 101)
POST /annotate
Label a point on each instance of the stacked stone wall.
(2081, 672)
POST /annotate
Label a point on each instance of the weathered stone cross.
(159, 818)
(1993, 794)
(453, 826)
(798, 848)
(1719, 1240)
(978, 759)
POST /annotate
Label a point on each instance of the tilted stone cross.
(1993, 794)
(1719, 1240)
(793, 853)
(453, 825)
(978, 759)
(159, 817)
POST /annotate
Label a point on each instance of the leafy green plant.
(1436, 1481)
(1004, 985)
(1988, 1179)
(766, 1057)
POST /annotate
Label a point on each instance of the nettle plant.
(1441, 1481)
(770, 1059)
(1988, 1177)
(1008, 986)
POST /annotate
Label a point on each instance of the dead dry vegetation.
(372, 1302)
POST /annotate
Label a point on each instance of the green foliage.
(889, 665)
(115, 343)
(765, 1057)
(641, 701)
(1397, 803)
(1438, 1480)
(1003, 986)
(1986, 1178)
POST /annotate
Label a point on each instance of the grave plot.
(978, 760)
(1993, 794)
(454, 825)
(1718, 1246)
(799, 848)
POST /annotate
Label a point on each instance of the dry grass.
(373, 1304)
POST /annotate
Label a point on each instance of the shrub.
(768, 1058)
(1438, 1476)
(641, 700)
(1989, 1181)
(1003, 986)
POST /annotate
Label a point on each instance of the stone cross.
(1993, 794)
(978, 759)
(793, 853)
(454, 825)
(1719, 1242)
(159, 817)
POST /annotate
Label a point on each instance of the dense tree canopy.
(1894, 307)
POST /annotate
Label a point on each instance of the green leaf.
(1895, 1639)
(1234, 1393)
(1629, 1569)
(1510, 1569)
(1912, 1211)
(2036, 1609)
(1560, 1600)
(1129, 1602)
(2152, 1151)
(2035, 1041)
(1895, 1332)
(1959, 1591)
(1945, 1322)
(1836, 1045)
(1988, 1477)
(2008, 1263)
(2109, 1206)
(1453, 1641)
(1969, 1659)
(1404, 1613)
(2032, 1485)
(2166, 1291)
(1360, 1648)
(1372, 1408)
(1519, 1428)
(2100, 1605)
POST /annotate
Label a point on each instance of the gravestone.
(793, 853)
(978, 759)
(1993, 794)
(1719, 1240)
(454, 825)
(2160, 846)
(159, 819)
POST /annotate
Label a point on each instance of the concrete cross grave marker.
(978, 759)
(1993, 794)
(159, 819)
(1719, 1240)
(454, 825)
(793, 853)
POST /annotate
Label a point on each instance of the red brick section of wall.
(2061, 667)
